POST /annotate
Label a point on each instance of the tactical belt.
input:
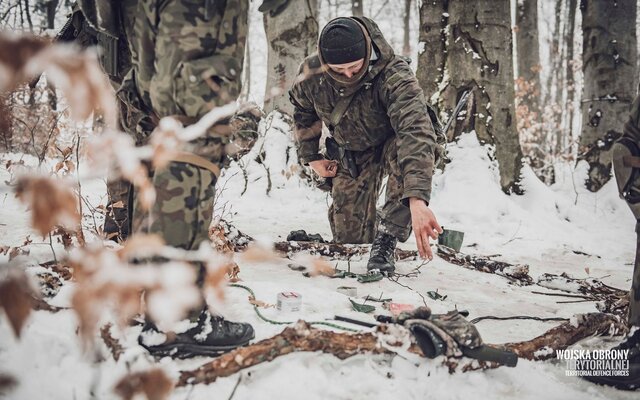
(196, 160)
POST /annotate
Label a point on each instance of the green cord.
(265, 319)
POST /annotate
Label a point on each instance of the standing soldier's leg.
(190, 63)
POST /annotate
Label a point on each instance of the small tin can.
(289, 301)
(348, 291)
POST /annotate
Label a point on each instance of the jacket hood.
(381, 47)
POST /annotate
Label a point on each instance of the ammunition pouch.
(626, 165)
(346, 158)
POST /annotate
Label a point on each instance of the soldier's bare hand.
(325, 168)
(425, 226)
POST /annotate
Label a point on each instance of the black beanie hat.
(342, 41)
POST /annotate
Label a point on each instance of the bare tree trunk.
(356, 8)
(28, 14)
(292, 36)
(51, 13)
(570, 84)
(406, 42)
(528, 100)
(610, 76)
(432, 57)
(479, 58)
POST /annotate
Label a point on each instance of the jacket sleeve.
(307, 125)
(416, 139)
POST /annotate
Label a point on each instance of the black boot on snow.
(632, 381)
(210, 337)
(382, 253)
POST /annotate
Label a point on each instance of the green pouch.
(451, 238)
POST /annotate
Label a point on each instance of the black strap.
(340, 109)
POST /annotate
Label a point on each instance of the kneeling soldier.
(377, 115)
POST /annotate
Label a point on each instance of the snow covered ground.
(543, 228)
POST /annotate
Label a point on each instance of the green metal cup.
(451, 238)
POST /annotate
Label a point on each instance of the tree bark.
(292, 35)
(406, 40)
(529, 54)
(432, 57)
(610, 81)
(478, 58)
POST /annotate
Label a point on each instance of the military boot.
(211, 336)
(382, 253)
(632, 381)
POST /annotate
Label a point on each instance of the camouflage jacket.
(388, 101)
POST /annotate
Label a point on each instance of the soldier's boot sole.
(385, 268)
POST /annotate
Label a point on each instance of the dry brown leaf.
(216, 277)
(154, 384)
(118, 204)
(18, 251)
(7, 383)
(67, 151)
(141, 246)
(58, 166)
(4, 249)
(219, 239)
(257, 253)
(15, 53)
(70, 165)
(259, 303)
(51, 202)
(15, 298)
(587, 270)
(233, 273)
(321, 267)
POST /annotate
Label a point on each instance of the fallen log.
(297, 338)
(609, 300)
(580, 327)
(302, 337)
(516, 273)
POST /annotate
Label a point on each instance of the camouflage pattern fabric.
(388, 103)
(184, 205)
(187, 59)
(353, 214)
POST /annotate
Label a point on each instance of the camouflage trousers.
(187, 58)
(183, 208)
(353, 213)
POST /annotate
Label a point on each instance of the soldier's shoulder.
(397, 69)
(310, 66)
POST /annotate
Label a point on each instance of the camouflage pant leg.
(634, 295)
(352, 215)
(116, 222)
(394, 216)
(183, 208)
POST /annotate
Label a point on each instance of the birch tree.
(292, 35)
(477, 57)
(610, 81)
